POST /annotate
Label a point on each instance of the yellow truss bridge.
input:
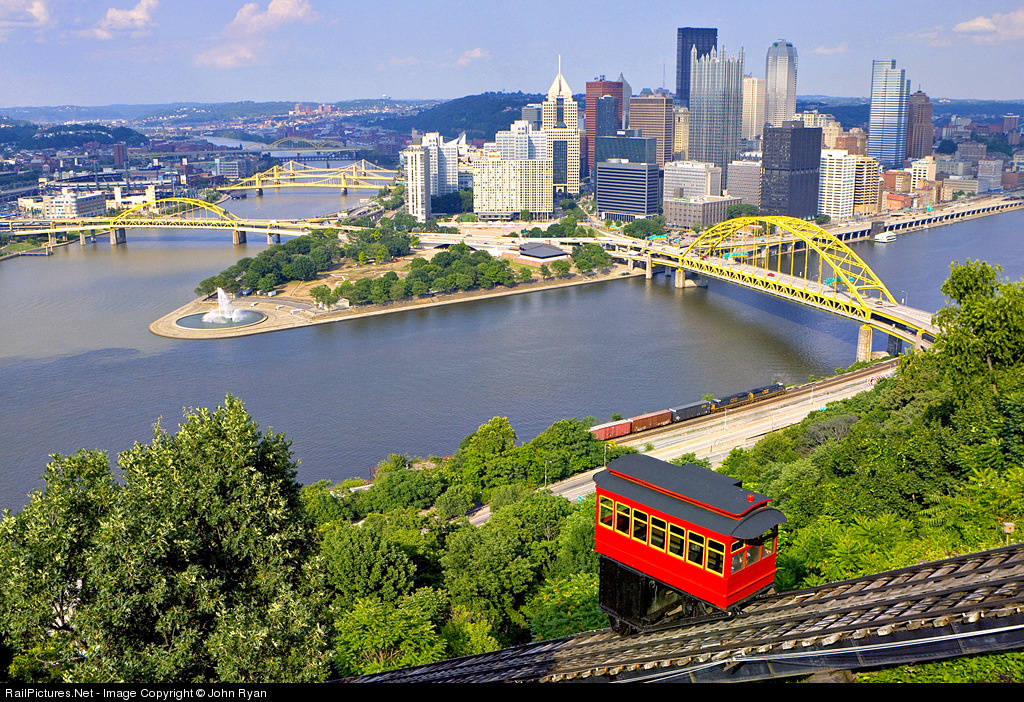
(791, 259)
(361, 174)
(165, 213)
(300, 144)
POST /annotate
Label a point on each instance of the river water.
(79, 368)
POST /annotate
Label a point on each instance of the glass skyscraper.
(716, 106)
(704, 39)
(780, 83)
(887, 126)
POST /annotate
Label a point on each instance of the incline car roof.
(691, 493)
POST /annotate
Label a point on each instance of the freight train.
(651, 420)
(679, 542)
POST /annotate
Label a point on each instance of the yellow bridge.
(361, 174)
(791, 259)
(165, 213)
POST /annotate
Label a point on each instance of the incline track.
(963, 605)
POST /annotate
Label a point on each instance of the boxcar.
(612, 430)
(651, 420)
(679, 538)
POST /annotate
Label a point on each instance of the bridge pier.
(117, 236)
(864, 343)
(259, 192)
(51, 239)
(273, 239)
(237, 237)
(649, 273)
(681, 281)
(895, 347)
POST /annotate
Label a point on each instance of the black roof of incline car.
(691, 493)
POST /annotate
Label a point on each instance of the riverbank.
(284, 312)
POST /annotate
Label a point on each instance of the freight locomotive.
(652, 420)
(679, 541)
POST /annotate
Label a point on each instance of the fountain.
(222, 317)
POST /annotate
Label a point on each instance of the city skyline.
(56, 52)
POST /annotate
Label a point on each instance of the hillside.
(479, 116)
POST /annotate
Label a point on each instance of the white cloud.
(827, 50)
(998, 28)
(230, 55)
(252, 20)
(136, 19)
(23, 13)
(472, 55)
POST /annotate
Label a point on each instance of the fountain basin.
(240, 318)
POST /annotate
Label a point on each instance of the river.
(79, 368)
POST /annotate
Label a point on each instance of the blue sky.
(95, 52)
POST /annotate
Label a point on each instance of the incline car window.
(639, 525)
(658, 533)
(622, 518)
(605, 512)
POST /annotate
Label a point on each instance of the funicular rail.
(955, 607)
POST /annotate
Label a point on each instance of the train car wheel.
(620, 627)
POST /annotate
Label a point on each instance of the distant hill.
(479, 116)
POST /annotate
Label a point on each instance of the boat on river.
(884, 238)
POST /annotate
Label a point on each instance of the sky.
(100, 52)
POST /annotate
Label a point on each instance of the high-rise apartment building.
(560, 121)
(836, 184)
(753, 107)
(780, 80)
(596, 89)
(652, 115)
(792, 163)
(503, 188)
(867, 186)
(522, 141)
(716, 106)
(444, 164)
(703, 39)
(887, 125)
(920, 130)
(417, 181)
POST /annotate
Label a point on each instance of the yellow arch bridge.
(361, 174)
(165, 213)
(791, 259)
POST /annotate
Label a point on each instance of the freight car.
(652, 420)
(679, 541)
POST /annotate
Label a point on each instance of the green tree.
(561, 268)
(44, 554)
(200, 568)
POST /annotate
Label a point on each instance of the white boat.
(884, 238)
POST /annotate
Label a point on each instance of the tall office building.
(627, 93)
(920, 130)
(703, 39)
(596, 89)
(887, 125)
(680, 133)
(745, 181)
(652, 115)
(753, 107)
(780, 83)
(792, 164)
(522, 141)
(560, 121)
(627, 144)
(627, 190)
(867, 186)
(716, 106)
(417, 181)
(692, 179)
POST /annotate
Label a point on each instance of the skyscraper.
(792, 165)
(704, 39)
(716, 106)
(652, 115)
(780, 83)
(417, 181)
(596, 89)
(753, 107)
(887, 125)
(560, 121)
(920, 130)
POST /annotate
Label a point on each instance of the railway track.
(794, 395)
(955, 607)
